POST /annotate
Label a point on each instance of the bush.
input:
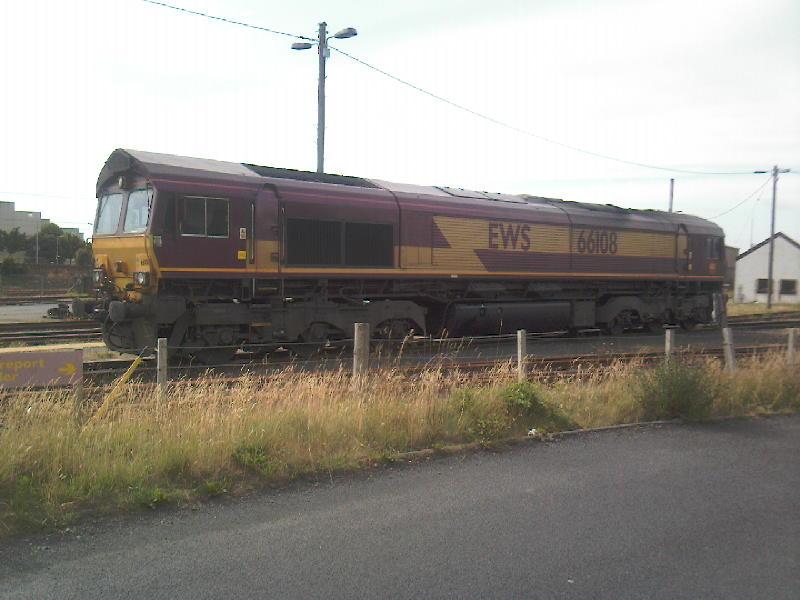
(11, 267)
(675, 391)
(525, 405)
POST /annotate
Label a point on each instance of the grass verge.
(752, 308)
(208, 437)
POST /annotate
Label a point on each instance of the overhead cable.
(451, 102)
(738, 204)
(229, 21)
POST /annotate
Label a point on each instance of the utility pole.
(323, 55)
(770, 269)
(671, 191)
(324, 52)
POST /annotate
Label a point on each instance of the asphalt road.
(705, 511)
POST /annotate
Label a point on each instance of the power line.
(451, 102)
(224, 20)
(738, 204)
(525, 131)
(41, 196)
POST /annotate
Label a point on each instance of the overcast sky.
(698, 85)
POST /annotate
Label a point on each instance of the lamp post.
(324, 53)
(775, 172)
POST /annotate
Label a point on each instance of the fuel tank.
(506, 317)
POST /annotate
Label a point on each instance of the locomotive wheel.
(394, 329)
(615, 327)
(118, 337)
(213, 356)
(651, 326)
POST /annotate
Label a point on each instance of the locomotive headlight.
(141, 278)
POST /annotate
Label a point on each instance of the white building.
(752, 268)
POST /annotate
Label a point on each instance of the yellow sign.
(242, 255)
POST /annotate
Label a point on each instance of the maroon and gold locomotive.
(217, 255)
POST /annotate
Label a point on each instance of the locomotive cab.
(123, 256)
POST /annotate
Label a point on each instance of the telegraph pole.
(324, 52)
(671, 192)
(775, 172)
(323, 55)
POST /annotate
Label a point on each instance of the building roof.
(779, 234)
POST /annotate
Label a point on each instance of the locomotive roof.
(169, 165)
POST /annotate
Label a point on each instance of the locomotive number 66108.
(594, 241)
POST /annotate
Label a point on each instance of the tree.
(48, 234)
(68, 246)
(55, 246)
(11, 267)
(13, 241)
(84, 257)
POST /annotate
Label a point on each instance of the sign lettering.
(509, 236)
(40, 368)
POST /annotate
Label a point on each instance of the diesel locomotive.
(216, 256)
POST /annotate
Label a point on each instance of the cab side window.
(216, 217)
(204, 217)
(713, 248)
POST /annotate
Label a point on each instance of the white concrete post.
(161, 365)
(669, 337)
(360, 348)
(791, 355)
(728, 349)
(522, 353)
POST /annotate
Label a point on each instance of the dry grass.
(739, 310)
(209, 437)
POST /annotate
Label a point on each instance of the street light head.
(345, 33)
(301, 46)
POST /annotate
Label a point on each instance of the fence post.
(669, 338)
(791, 355)
(360, 349)
(522, 353)
(161, 366)
(728, 350)
(721, 309)
(77, 394)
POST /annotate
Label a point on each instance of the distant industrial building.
(28, 222)
(752, 267)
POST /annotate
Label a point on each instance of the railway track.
(34, 334)
(105, 371)
(48, 332)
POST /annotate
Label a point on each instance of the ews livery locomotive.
(216, 256)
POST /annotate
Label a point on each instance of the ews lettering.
(509, 236)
